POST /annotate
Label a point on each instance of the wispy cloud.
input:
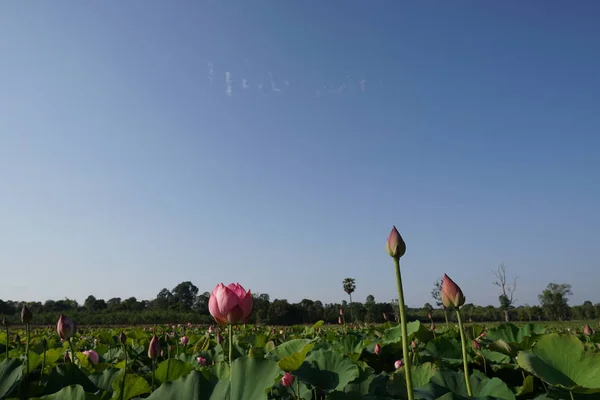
(245, 83)
(341, 88)
(286, 83)
(211, 71)
(273, 86)
(228, 81)
(362, 85)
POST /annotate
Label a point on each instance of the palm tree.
(349, 287)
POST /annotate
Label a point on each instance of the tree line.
(185, 304)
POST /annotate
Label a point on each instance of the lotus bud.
(211, 329)
(341, 311)
(65, 327)
(287, 380)
(122, 338)
(201, 360)
(413, 344)
(377, 349)
(476, 345)
(184, 340)
(398, 364)
(26, 315)
(154, 347)
(429, 315)
(587, 330)
(340, 320)
(92, 355)
(385, 316)
(67, 358)
(190, 325)
(452, 296)
(433, 326)
(395, 245)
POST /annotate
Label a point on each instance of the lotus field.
(233, 360)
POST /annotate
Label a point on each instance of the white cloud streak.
(211, 71)
(244, 83)
(228, 81)
(273, 86)
(362, 85)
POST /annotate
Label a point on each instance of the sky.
(276, 143)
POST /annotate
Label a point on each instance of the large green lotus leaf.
(66, 375)
(104, 380)
(368, 382)
(448, 350)
(287, 348)
(11, 371)
(171, 370)
(294, 361)
(134, 386)
(483, 387)
(509, 339)
(328, 370)
(251, 378)
(351, 343)
(414, 330)
(421, 375)
(561, 361)
(72, 392)
(495, 356)
(193, 386)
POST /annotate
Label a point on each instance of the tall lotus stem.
(153, 368)
(27, 338)
(464, 353)
(230, 351)
(124, 371)
(405, 352)
(72, 350)
(396, 248)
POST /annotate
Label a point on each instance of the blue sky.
(275, 143)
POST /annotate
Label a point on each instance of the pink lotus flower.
(476, 345)
(377, 349)
(184, 340)
(154, 347)
(65, 327)
(190, 325)
(201, 360)
(587, 330)
(452, 296)
(230, 304)
(93, 356)
(398, 364)
(287, 380)
(395, 245)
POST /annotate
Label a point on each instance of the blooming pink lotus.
(230, 304)
(287, 380)
(452, 295)
(93, 356)
(65, 327)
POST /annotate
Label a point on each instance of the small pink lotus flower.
(92, 355)
(201, 360)
(377, 349)
(230, 304)
(287, 380)
(184, 340)
(395, 245)
(398, 364)
(65, 327)
(452, 296)
(154, 347)
(587, 330)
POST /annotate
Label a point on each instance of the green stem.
(405, 354)
(124, 372)
(7, 332)
(72, 351)
(464, 353)
(153, 365)
(27, 337)
(230, 352)
(446, 317)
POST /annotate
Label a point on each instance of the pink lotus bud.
(413, 344)
(154, 347)
(340, 320)
(26, 315)
(230, 304)
(476, 345)
(587, 330)
(377, 349)
(190, 325)
(429, 315)
(211, 329)
(398, 364)
(201, 360)
(385, 317)
(395, 244)
(433, 326)
(92, 355)
(341, 311)
(452, 296)
(184, 340)
(287, 380)
(65, 327)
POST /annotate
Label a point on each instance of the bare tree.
(508, 290)
(436, 293)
